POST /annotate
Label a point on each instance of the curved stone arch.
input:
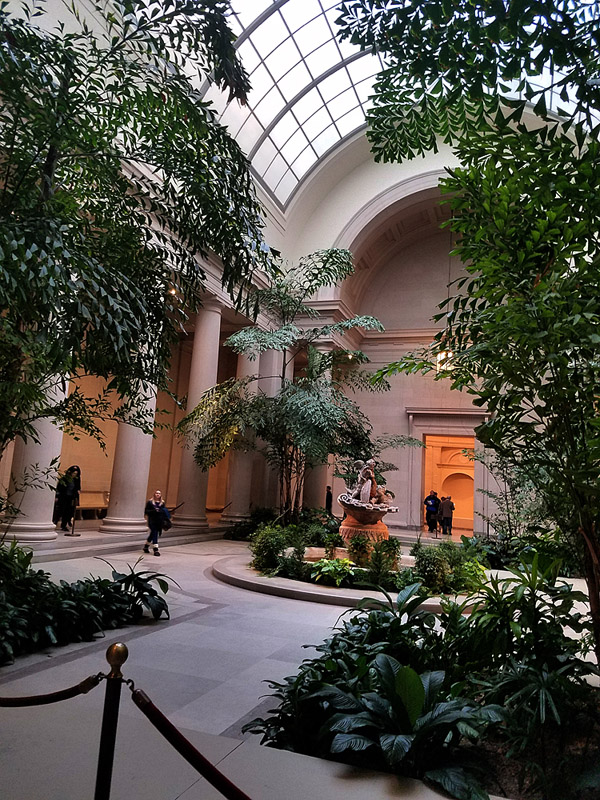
(377, 208)
(389, 204)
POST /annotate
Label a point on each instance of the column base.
(29, 531)
(231, 517)
(119, 525)
(199, 523)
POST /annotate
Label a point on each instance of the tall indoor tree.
(310, 416)
(523, 326)
(115, 181)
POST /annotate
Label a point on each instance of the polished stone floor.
(205, 669)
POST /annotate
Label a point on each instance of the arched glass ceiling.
(308, 91)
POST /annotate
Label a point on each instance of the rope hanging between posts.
(184, 747)
(53, 697)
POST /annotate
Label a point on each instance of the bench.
(92, 505)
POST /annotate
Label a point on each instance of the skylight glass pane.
(351, 121)
(286, 126)
(334, 84)
(294, 146)
(313, 35)
(269, 35)
(215, 96)
(276, 171)
(261, 83)
(304, 162)
(343, 103)
(326, 140)
(286, 186)
(322, 59)
(318, 122)
(249, 134)
(347, 49)
(249, 56)
(307, 105)
(292, 83)
(299, 13)
(364, 89)
(248, 11)
(362, 68)
(234, 117)
(264, 157)
(269, 106)
(283, 59)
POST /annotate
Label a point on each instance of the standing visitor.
(328, 500)
(447, 507)
(158, 519)
(432, 504)
(67, 498)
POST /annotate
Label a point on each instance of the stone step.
(90, 546)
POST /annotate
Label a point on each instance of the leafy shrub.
(267, 544)
(137, 588)
(359, 549)
(409, 724)
(382, 562)
(37, 613)
(433, 569)
(319, 517)
(333, 571)
(512, 649)
(332, 541)
(241, 531)
(294, 566)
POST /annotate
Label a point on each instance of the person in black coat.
(158, 519)
(432, 504)
(67, 498)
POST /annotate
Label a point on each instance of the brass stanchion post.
(116, 655)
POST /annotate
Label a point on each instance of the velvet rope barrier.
(53, 697)
(184, 747)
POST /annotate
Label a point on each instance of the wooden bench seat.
(92, 505)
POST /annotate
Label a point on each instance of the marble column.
(316, 481)
(266, 490)
(241, 464)
(35, 502)
(317, 478)
(129, 480)
(193, 481)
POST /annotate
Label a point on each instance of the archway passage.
(448, 470)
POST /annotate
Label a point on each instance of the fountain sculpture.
(365, 505)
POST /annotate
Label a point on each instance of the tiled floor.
(205, 669)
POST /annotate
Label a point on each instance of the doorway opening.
(449, 472)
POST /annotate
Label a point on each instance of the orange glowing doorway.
(448, 471)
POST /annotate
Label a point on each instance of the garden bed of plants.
(501, 700)
(282, 551)
(497, 701)
(36, 613)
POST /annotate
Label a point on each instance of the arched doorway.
(449, 471)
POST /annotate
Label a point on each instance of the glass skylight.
(309, 92)
(303, 100)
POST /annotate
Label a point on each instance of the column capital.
(210, 303)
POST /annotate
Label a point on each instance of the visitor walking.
(67, 499)
(159, 519)
(432, 504)
(447, 507)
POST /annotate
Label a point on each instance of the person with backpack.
(159, 519)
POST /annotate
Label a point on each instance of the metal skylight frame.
(309, 93)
